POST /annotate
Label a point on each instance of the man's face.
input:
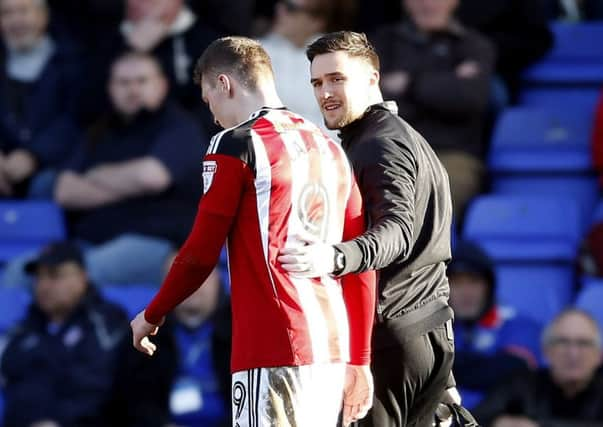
(342, 86)
(216, 95)
(431, 15)
(297, 17)
(135, 84)
(468, 294)
(165, 11)
(59, 288)
(22, 22)
(573, 350)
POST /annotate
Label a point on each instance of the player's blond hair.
(243, 57)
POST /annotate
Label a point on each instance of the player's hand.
(141, 330)
(308, 259)
(357, 393)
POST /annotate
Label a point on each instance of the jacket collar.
(347, 133)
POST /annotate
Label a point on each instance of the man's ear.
(225, 84)
(374, 78)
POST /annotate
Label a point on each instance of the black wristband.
(338, 261)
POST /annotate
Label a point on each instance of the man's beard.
(343, 121)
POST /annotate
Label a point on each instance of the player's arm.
(199, 254)
(358, 289)
(359, 295)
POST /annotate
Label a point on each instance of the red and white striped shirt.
(267, 181)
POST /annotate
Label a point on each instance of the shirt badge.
(209, 169)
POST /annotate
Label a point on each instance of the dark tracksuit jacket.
(406, 196)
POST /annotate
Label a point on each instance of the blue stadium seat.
(598, 212)
(470, 398)
(133, 298)
(536, 140)
(13, 304)
(584, 189)
(1, 407)
(525, 228)
(583, 99)
(590, 299)
(28, 225)
(539, 291)
(576, 57)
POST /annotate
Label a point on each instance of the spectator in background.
(574, 10)
(201, 395)
(62, 360)
(169, 30)
(519, 31)
(230, 17)
(569, 392)
(296, 24)
(131, 189)
(491, 341)
(439, 74)
(166, 29)
(38, 86)
(89, 22)
(376, 13)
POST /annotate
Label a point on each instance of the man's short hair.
(548, 333)
(133, 55)
(354, 44)
(243, 57)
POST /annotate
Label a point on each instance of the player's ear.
(224, 84)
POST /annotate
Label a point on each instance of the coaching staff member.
(407, 199)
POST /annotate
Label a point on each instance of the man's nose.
(325, 93)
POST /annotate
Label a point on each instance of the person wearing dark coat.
(492, 341)
(569, 392)
(439, 73)
(39, 86)
(68, 363)
(170, 31)
(517, 28)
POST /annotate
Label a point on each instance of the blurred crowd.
(99, 113)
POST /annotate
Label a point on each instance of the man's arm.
(199, 254)
(75, 191)
(459, 92)
(145, 175)
(386, 179)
